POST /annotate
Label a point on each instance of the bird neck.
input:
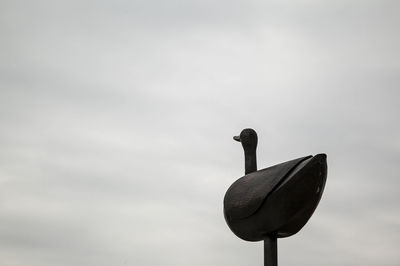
(250, 161)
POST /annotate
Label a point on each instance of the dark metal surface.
(245, 196)
(276, 201)
(270, 251)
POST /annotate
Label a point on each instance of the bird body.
(276, 201)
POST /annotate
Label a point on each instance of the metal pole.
(270, 251)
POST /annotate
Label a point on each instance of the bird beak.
(237, 138)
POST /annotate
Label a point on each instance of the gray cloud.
(117, 123)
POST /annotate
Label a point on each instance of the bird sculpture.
(274, 202)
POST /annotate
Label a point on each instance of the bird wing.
(247, 194)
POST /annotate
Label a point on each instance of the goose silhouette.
(276, 201)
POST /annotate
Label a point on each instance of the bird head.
(248, 138)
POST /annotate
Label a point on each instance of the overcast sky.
(117, 120)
